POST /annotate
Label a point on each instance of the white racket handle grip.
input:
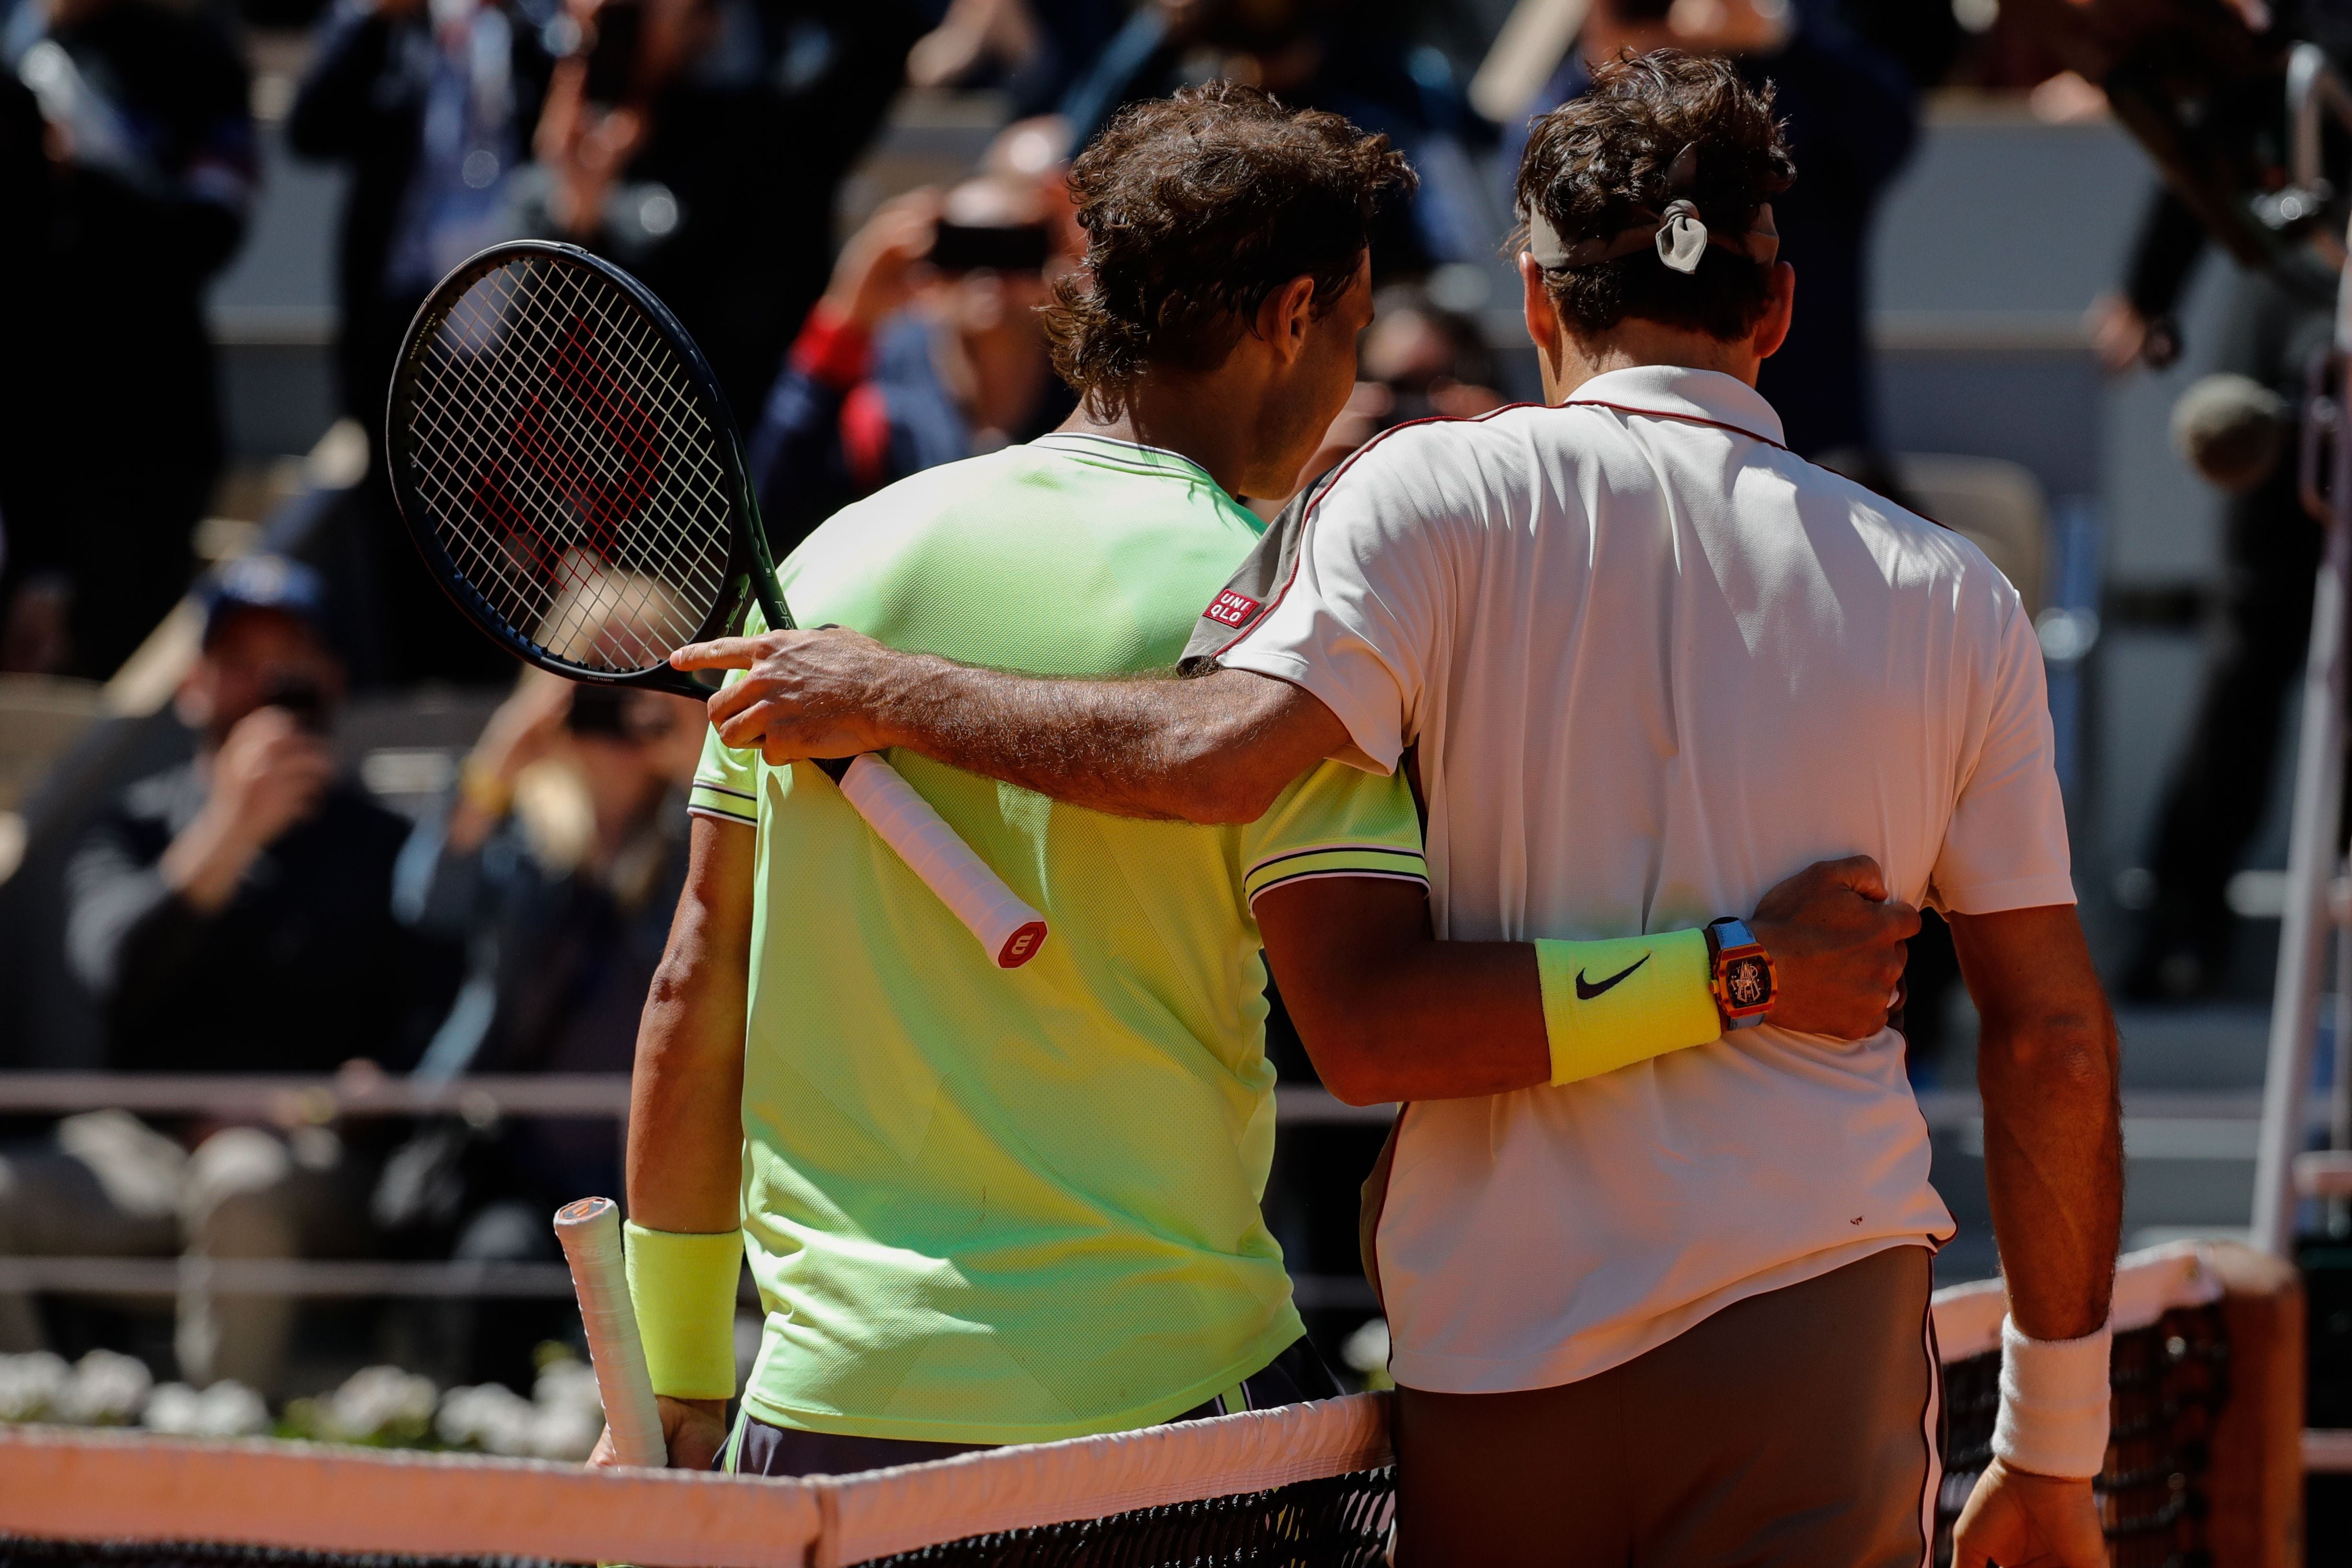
(1010, 930)
(590, 1230)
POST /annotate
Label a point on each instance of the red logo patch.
(1232, 609)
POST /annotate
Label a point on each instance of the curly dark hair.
(1591, 164)
(1196, 207)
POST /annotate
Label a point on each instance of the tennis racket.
(566, 463)
(590, 1229)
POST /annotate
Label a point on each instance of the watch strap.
(1740, 973)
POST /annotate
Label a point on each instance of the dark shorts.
(757, 1449)
(1794, 1429)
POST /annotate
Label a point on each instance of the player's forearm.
(1159, 748)
(686, 1128)
(1389, 1012)
(1428, 1020)
(2047, 1066)
(2054, 1163)
(1218, 748)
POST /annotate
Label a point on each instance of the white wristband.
(2053, 1403)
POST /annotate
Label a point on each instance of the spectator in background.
(700, 144)
(1417, 361)
(431, 105)
(1354, 57)
(150, 165)
(231, 915)
(2221, 780)
(1032, 50)
(26, 195)
(558, 862)
(925, 349)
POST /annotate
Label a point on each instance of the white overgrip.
(1010, 930)
(590, 1230)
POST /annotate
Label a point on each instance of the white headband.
(1678, 233)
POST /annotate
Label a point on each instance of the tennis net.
(2204, 1406)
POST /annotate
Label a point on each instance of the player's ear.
(1772, 329)
(1286, 317)
(1543, 315)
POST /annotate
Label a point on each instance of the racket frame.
(751, 569)
(1006, 927)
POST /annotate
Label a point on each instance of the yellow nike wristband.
(682, 1287)
(1609, 1004)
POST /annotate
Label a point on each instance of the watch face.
(1747, 983)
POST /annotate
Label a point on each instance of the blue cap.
(265, 582)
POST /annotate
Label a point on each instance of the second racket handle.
(590, 1230)
(1010, 930)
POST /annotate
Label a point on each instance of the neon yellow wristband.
(682, 1287)
(1609, 1004)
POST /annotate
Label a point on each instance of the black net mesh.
(1341, 1521)
(567, 465)
(2169, 1381)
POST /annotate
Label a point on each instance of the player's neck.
(1637, 342)
(1188, 415)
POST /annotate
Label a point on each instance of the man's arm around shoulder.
(1213, 748)
(1389, 1012)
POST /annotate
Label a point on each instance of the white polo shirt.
(1653, 664)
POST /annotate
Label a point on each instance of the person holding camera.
(701, 146)
(229, 914)
(557, 862)
(927, 349)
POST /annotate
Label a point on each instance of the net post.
(2254, 1483)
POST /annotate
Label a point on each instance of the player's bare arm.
(1389, 1012)
(685, 1126)
(1214, 748)
(2047, 1067)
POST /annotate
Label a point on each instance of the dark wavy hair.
(1196, 207)
(1592, 162)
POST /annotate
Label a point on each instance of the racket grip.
(590, 1229)
(1010, 930)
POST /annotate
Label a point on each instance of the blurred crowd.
(254, 908)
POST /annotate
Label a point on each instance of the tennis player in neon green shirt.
(989, 1206)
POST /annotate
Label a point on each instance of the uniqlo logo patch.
(1232, 609)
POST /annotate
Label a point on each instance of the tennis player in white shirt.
(1642, 661)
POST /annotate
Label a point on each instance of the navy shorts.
(758, 1449)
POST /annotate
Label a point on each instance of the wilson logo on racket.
(1233, 609)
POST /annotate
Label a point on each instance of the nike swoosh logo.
(1586, 991)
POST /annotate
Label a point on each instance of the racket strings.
(585, 596)
(568, 467)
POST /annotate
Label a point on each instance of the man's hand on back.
(1836, 942)
(807, 694)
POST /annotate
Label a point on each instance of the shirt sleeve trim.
(725, 789)
(1998, 897)
(1359, 873)
(699, 803)
(1351, 849)
(1336, 860)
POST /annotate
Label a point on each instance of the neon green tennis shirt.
(987, 1205)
